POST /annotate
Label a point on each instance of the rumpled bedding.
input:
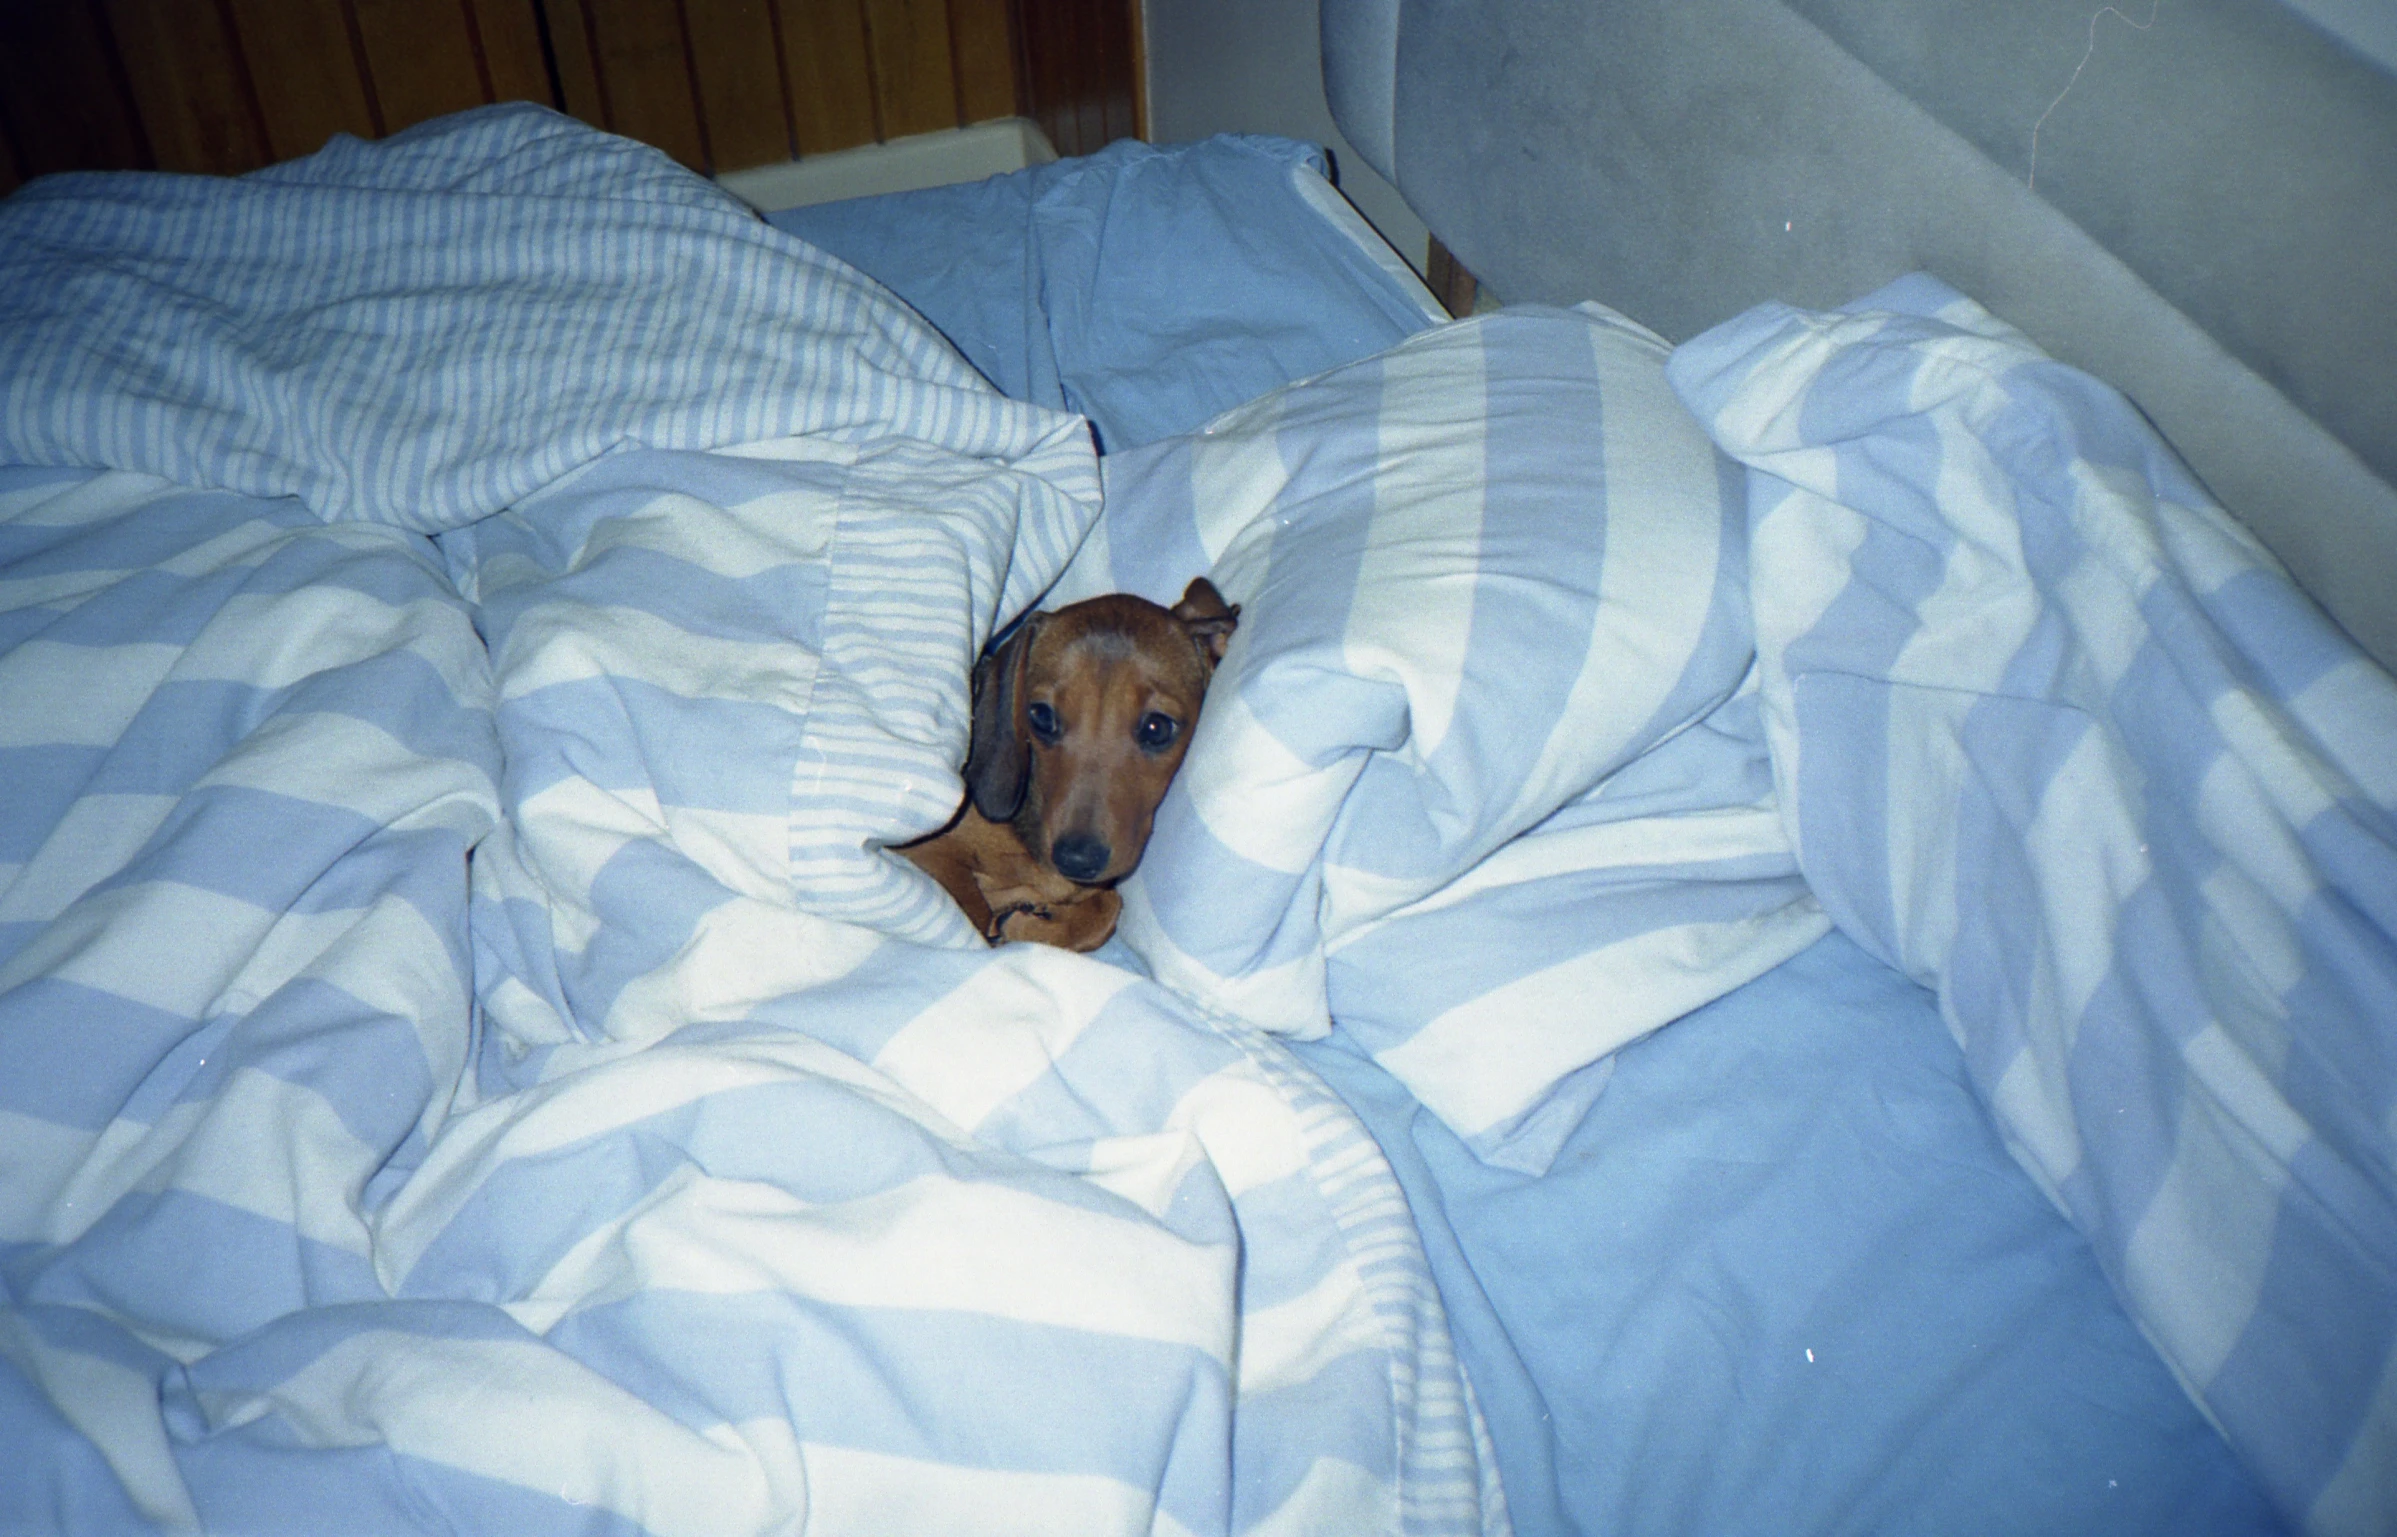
(1149, 288)
(2037, 723)
(1476, 756)
(2057, 738)
(465, 1060)
(476, 609)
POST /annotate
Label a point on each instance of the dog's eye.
(1043, 721)
(1157, 732)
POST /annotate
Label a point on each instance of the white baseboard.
(901, 165)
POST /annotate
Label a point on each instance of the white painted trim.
(901, 165)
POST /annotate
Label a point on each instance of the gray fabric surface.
(1360, 73)
(2237, 159)
(2214, 226)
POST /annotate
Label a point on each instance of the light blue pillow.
(1047, 278)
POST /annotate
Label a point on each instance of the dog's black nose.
(1079, 857)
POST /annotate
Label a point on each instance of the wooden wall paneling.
(306, 68)
(740, 82)
(579, 88)
(826, 74)
(510, 32)
(190, 89)
(1082, 63)
(1047, 44)
(1079, 83)
(915, 81)
(1115, 66)
(645, 72)
(1090, 53)
(227, 85)
(64, 105)
(421, 57)
(1138, 64)
(1450, 281)
(983, 44)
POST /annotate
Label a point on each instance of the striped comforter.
(473, 611)
(2056, 737)
(465, 1061)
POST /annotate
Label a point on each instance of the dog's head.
(1081, 718)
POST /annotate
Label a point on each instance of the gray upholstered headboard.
(2209, 222)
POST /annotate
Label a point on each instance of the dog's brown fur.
(1066, 766)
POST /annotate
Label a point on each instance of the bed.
(1782, 918)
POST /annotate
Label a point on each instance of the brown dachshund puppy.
(1080, 719)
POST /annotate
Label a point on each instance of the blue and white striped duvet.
(1447, 789)
(464, 1060)
(2056, 737)
(1485, 783)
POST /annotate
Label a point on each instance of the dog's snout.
(1080, 857)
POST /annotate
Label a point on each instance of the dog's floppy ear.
(999, 760)
(1208, 618)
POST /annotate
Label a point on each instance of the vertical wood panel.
(984, 46)
(1081, 64)
(1090, 52)
(1138, 67)
(915, 84)
(825, 72)
(511, 38)
(227, 85)
(12, 172)
(1455, 287)
(740, 82)
(421, 58)
(638, 45)
(1115, 67)
(1046, 40)
(306, 73)
(578, 62)
(188, 85)
(64, 104)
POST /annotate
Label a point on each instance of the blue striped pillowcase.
(1480, 574)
